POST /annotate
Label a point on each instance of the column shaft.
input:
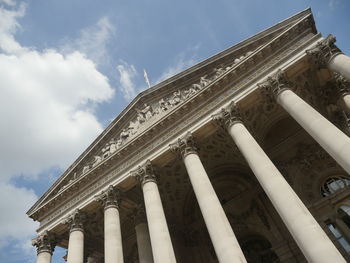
(224, 241)
(44, 257)
(162, 247)
(143, 243)
(309, 236)
(113, 238)
(334, 141)
(340, 64)
(76, 246)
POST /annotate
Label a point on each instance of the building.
(244, 157)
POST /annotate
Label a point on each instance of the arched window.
(334, 184)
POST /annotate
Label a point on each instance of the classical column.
(162, 247)
(327, 54)
(45, 245)
(76, 237)
(113, 238)
(224, 240)
(343, 86)
(334, 141)
(309, 236)
(142, 235)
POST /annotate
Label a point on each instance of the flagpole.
(146, 78)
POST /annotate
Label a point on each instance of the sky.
(67, 68)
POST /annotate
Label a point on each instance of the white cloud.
(14, 222)
(46, 111)
(127, 74)
(47, 117)
(9, 26)
(8, 2)
(93, 41)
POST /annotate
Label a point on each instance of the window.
(339, 237)
(334, 184)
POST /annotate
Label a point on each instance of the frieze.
(168, 133)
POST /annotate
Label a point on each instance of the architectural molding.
(76, 221)
(110, 197)
(228, 116)
(145, 173)
(45, 242)
(343, 84)
(276, 84)
(324, 51)
(185, 145)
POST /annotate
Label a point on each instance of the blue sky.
(67, 68)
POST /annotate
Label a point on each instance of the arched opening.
(334, 184)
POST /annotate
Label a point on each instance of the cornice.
(232, 77)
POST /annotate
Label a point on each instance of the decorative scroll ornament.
(343, 84)
(275, 84)
(324, 51)
(76, 220)
(45, 243)
(185, 145)
(144, 173)
(228, 116)
(109, 197)
(140, 215)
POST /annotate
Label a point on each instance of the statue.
(119, 143)
(86, 168)
(109, 148)
(219, 72)
(97, 160)
(204, 81)
(190, 92)
(163, 105)
(144, 114)
(176, 99)
(124, 134)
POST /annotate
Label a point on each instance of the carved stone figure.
(176, 99)
(97, 160)
(190, 92)
(204, 81)
(86, 168)
(218, 72)
(145, 114)
(119, 143)
(124, 134)
(163, 105)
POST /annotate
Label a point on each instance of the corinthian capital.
(144, 173)
(109, 197)
(45, 242)
(185, 145)
(76, 220)
(342, 83)
(276, 83)
(324, 51)
(228, 116)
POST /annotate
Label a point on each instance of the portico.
(224, 162)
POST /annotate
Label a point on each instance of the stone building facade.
(244, 157)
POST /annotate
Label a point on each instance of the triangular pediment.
(160, 100)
